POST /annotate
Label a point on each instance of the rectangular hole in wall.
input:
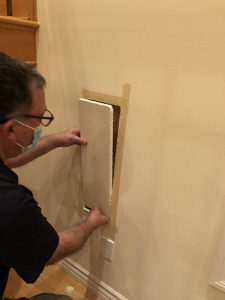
(116, 120)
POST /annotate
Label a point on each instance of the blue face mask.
(35, 140)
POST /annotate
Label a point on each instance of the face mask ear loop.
(36, 138)
(24, 124)
(19, 145)
(22, 147)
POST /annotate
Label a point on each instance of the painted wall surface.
(172, 193)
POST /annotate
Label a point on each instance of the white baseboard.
(104, 291)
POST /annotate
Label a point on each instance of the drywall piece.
(120, 111)
(96, 125)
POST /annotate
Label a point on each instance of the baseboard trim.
(104, 291)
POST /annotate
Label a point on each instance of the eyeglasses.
(45, 119)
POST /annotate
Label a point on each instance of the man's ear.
(8, 131)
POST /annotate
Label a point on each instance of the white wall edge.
(104, 291)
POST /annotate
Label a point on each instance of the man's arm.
(46, 144)
(71, 240)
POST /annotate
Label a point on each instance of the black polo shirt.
(27, 240)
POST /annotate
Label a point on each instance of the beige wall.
(171, 203)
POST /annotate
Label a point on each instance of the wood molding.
(18, 22)
(18, 32)
(18, 38)
(26, 9)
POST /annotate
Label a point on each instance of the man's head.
(22, 105)
(15, 86)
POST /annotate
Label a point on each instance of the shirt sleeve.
(28, 241)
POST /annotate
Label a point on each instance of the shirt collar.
(7, 174)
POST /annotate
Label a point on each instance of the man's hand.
(72, 239)
(47, 143)
(96, 218)
(67, 138)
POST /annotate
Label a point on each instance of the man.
(27, 241)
